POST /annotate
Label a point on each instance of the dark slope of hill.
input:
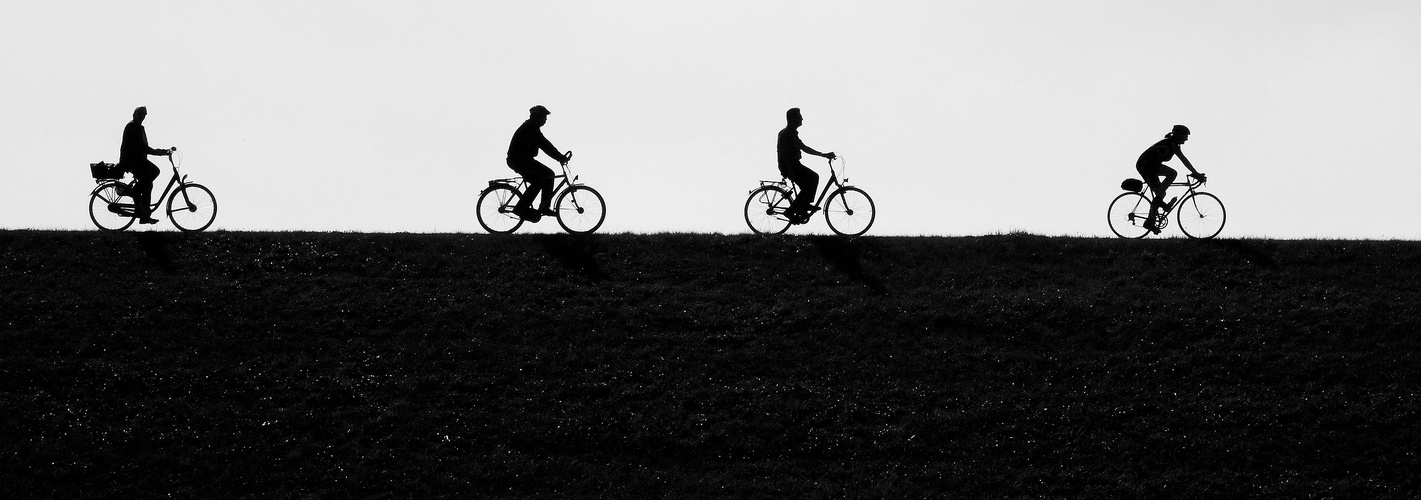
(704, 365)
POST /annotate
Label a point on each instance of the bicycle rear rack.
(782, 183)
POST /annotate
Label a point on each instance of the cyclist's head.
(793, 117)
(140, 111)
(1179, 131)
(539, 111)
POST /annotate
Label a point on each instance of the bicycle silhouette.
(1200, 214)
(191, 207)
(849, 210)
(580, 208)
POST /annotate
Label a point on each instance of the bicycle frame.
(129, 209)
(1190, 185)
(833, 184)
(520, 185)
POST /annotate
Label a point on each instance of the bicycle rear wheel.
(765, 210)
(581, 210)
(104, 199)
(1127, 215)
(849, 211)
(495, 209)
(1200, 215)
(192, 208)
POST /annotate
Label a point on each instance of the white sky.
(959, 118)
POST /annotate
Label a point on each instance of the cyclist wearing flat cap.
(522, 150)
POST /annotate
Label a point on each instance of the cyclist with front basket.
(133, 157)
(789, 148)
(1151, 167)
(522, 150)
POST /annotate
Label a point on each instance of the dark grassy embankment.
(353, 365)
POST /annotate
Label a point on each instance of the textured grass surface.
(311, 364)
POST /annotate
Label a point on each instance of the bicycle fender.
(101, 186)
(496, 184)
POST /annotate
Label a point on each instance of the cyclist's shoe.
(113, 207)
(548, 212)
(798, 217)
(1166, 206)
(1151, 226)
(147, 220)
(527, 213)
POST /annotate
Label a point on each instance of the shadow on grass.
(155, 245)
(1248, 251)
(578, 253)
(843, 255)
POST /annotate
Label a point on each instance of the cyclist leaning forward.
(527, 140)
(1151, 167)
(789, 147)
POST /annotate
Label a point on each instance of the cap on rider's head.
(539, 110)
(1179, 130)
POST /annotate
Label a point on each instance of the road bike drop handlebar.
(1194, 181)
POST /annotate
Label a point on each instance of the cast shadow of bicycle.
(1246, 251)
(157, 247)
(843, 255)
(577, 253)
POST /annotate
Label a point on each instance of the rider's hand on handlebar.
(1200, 176)
(831, 155)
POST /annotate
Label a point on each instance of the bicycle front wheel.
(495, 209)
(192, 208)
(849, 211)
(1128, 214)
(581, 210)
(765, 210)
(1200, 215)
(106, 206)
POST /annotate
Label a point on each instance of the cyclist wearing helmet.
(789, 147)
(1151, 167)
(527, 140)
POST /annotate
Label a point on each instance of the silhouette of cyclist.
(789, 147)
(527, 140)
(1151, 166)
(133, 157)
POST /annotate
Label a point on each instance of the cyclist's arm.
(552, 151)
(1180, 154)
(805, 147)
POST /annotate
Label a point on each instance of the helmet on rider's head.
(1179, 130)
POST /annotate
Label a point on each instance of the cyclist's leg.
(539, 178)
(806, 179)
(1151, 173)
(144, 174)
(1169, 176)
